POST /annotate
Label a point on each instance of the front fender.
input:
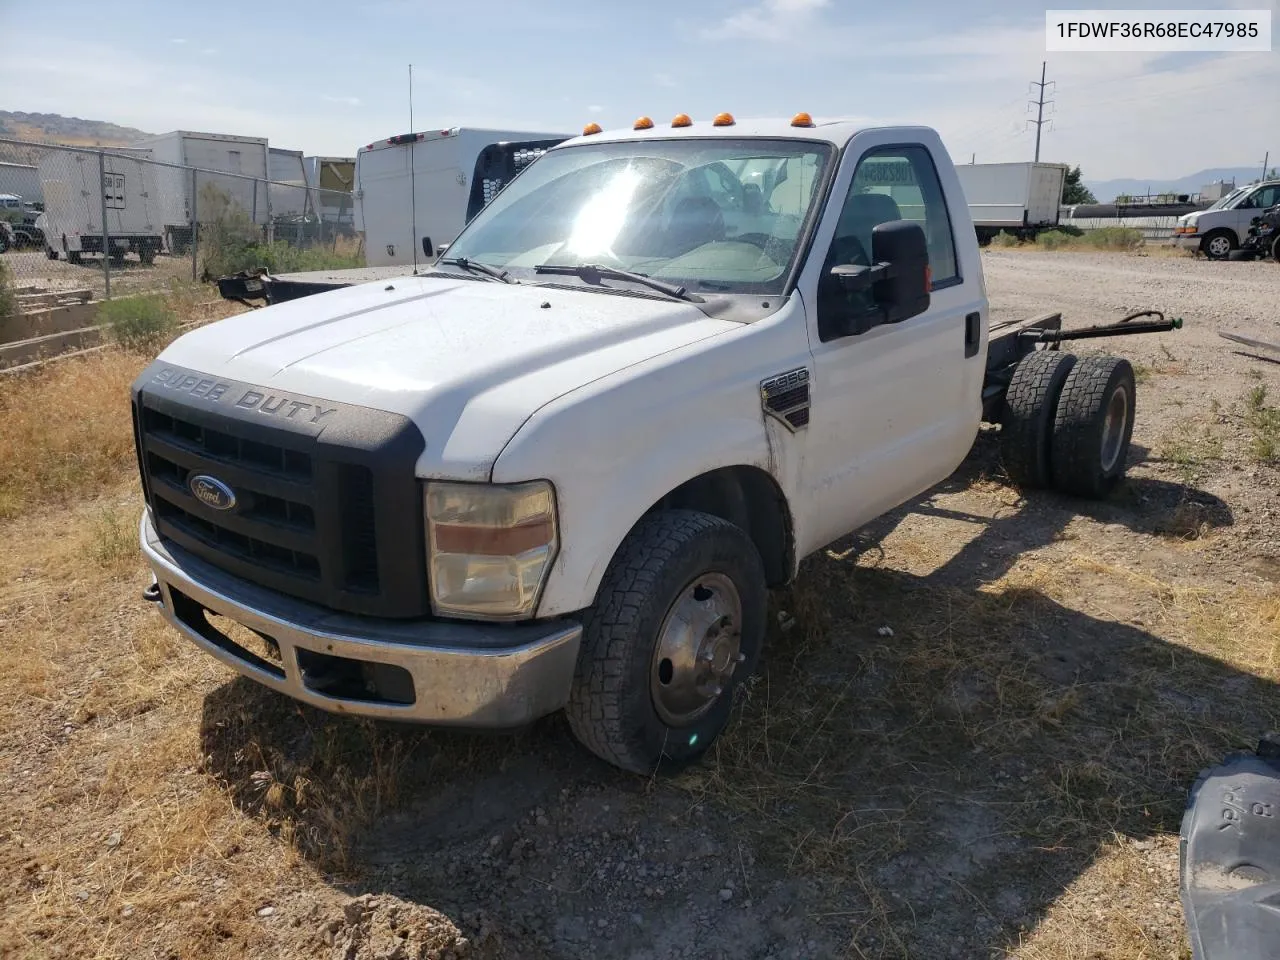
(615, 447)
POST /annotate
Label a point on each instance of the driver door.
(896, 408)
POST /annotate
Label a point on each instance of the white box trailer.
(224, 153)
(78, 191)
(291, 201)
(21, 180)
(333, 183)
(415, 192)
(1020, 198)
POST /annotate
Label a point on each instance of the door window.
(890, 183)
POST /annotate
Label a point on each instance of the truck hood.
(468, 361)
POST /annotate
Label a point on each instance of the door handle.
(972, 334)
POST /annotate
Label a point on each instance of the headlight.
(489, 547)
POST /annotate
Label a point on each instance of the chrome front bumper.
(456, 674)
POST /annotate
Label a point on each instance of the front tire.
(1218, 244)
(1093, 427)
(676, 627)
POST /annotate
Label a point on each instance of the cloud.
(767, 20)
(595, 108)
(345, 101)
(209, 51)
(178, 40)
(664, 80)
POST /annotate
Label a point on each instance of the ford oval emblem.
(211, 491)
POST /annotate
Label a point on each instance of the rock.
(266, 911)
(885, 631)
(725, 895)
(115, 840)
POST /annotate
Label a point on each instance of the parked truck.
(223, 153)
(1219, 230)
(288, 193)
(1018, 198)
(332, 181)
(21, 180)
(561, 467)
(414, 192)
(79, 190)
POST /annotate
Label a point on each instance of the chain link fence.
(93, 224)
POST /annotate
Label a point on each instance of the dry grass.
(64, 430)
(1010, 756)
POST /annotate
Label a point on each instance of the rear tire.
(1030, 406)
(1093, 427)
(651, 687)
(51, 253)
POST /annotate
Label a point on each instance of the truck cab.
(1218, 230)
(562, 467)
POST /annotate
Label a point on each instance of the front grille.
(323, 521)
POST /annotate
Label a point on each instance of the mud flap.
(1230, 858)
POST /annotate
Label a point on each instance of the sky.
(327, 77)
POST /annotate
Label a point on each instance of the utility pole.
(1040, 103)
(1266, 157)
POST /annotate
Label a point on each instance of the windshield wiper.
(594, 273)
(475, 266)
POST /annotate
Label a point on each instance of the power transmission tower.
(1040, 103)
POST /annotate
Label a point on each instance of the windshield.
(1222, 202)
(714, 215)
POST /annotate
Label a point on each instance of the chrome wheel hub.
(698, 648)
(1113, 428)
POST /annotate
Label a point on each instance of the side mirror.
(426, 246)
(898, 280)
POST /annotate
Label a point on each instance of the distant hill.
(55, 128)
(72, 131)
(1108, 190)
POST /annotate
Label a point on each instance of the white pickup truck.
(562, 467)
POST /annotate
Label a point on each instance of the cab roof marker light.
(682, 120)
(590, 128)
(802, 120)
(723, 120)
(644, 123)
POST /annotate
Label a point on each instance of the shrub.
(1104, 238)
(8, 299)
(1053, 239)
(231, 242)
(1114, 238)
(1003, 239)
(141, 322)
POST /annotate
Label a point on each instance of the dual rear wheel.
(1067, 422)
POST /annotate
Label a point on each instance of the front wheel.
(1218, 244)
(676, 627)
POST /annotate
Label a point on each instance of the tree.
(1074, 191)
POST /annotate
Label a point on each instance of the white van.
(415, 192)
(1217, 231)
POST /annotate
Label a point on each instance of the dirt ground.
(972, 733)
